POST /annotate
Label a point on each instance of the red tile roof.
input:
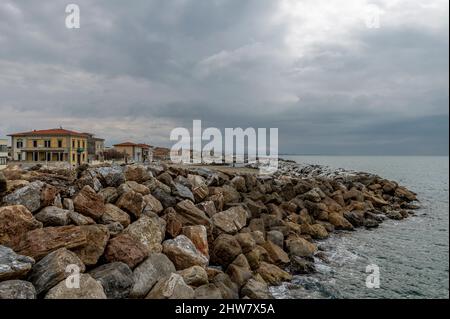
(133, 144)
(57, 131)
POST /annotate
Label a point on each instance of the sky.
(340, 77)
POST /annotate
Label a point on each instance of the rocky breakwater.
(164, 232)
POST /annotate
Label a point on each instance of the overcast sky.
(329, 81)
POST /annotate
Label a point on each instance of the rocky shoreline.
(165, 232)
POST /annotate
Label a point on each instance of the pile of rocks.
(164, 232)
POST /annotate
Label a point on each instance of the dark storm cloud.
(136, 71)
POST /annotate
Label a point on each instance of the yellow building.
(53, 145)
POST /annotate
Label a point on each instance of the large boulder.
(53, 268)
(199, 237)
(138, 188)
(116, 279)
(164, 197)
(182, 191)
(111, 176)
(225, 249)
(114, 214)
(137, 173)
(131, 202)
(273, 274)
(230, 221)
(97, 237)
(127, 249)
(89, 203)
(152, 204)
(156, 266)
(15, 221)
(28, 196)
(191, 215)
(89, 288)
(3, 183)
(300, 247)
(183, 253)
(276, 254)
(149, 231)
(79, 219)
(208, 291)
(40, 242)
(339, 222)
(12, 265)
(17, 289)
(171, 287)
(256, 289)
(53, 216)
(109, 194)
(194, 276)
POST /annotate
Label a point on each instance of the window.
(47, 143)
(60, 143)
(35, 144)
(73, 143)
(84, 144)
(19, 144)
(73, 157)
(79, 144)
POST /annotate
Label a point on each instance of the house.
(52, 145)
(161, 153)
(134, 152)
(3, 151)
(96, 147)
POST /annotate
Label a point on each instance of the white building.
(3, 152)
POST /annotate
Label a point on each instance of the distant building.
(96, 147)
(53, 145)
(161, 153)
(134, 152)
(3, 151)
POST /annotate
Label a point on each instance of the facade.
(134, 152)
(3, 151)
(161, 153)
(53, 145)
(96, 147)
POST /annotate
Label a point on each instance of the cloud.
(311, 68)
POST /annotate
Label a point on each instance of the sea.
(410, 258)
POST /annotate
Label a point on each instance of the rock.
(116, 279)
(171, 287)
(114, 214)
(182, 191)
(80, 220)
(131, 202)
(194, 276)
(89, 203)
(273, 274)
(276, 253)
(89, 288)
(114, 228)
(152, 204)
(97, 238)
(17, 289)
(276, 237)
(403, 193)
(149, 232)
(15, 184)
(15, 221)
(246, 241)
(145, 275)
(339, 222)
(127, 249)
(239, 274)
(230, 194)
(256, 208)
(231, 220)
(28, 196)
(68, 204)
(255, 289)
(174, 224)
(355, 218)
(111, 176)
(137, 173)
(207, 207)
(228, 289)
(316, 231)
(164, 197)
(3, 183)
(138, 188)
(53, 268)
(239, 184)
(298, 246)
(371, 223)
(225, 250)
(191, 215)
(393, 214)
(40, 242)
(183, 253)
(256, 256)
(109, 194)
(53, 216)
(209, 291)
(313, 195)
(217, 199)
(12, 265)
(199, 237)
(301, 265)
